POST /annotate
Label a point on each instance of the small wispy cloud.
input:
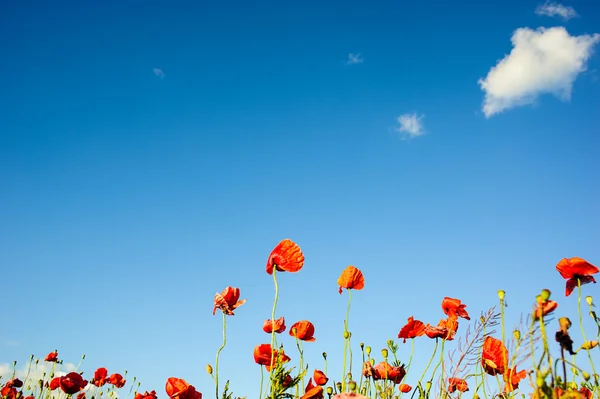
(411, 124)
(11, 342)
(551, 9)
(541, 61)
(354, 58)
(159, 72)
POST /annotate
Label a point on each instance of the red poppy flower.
(72, 383)
(52, 357)
(494, 356)
(178, 388)
(454, 308)
(279, 326)
(303, 330)
(228, 300)
(544, 308)
(263, 354)
(320, 377)
(14, 382)
(81, 395)
(100, 376)
(146, 395)
(385, 371)
(404, 388)
(457, 384)
(512, 379)
(117, 380)
(575, 269)
(412, 329)
(351, 279)
(54, 383)
(585, 392)
(285, 257)
(446, 329)
(313, 393)
(8, 393)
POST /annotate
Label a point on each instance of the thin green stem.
(273, 323)
(430, 360)
(218, 353)
(346, 340)
(262, 377)
(581, 323)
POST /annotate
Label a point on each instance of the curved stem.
(581, 323)
(218, 353)
(273, 324)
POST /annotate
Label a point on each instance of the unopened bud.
(427, 386)
(368, 350)
(587, 345)
(586, 376)
(390, 342)
(346, 334)
(362, 345)
(517, 335)
(209, 369)
(329, 391)
(338, 385)
(384, 353)
(539, 381)
(501, 294)
(349, 376)
(572, 385)
(372, 361)
(545, 294)
(589, 300)
(352, 386)
(324, 355)
(564, 323)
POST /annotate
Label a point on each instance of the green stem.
(273, 324)
(346, 340)
(218, 353)
(262, 377)
(429, 364)
(581, 323)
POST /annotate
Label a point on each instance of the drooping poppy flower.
(320, 377)
(494, 356)
(263, 355)
(544, 307)
(457, 384)
(454, 308)
(512, 379)
(146, 395)
(54, 383)
(279, 326)
(446, 329)
(178, 388)
(385, 371)
(72, 383)
(100, 376)
(574, 270)
(315, 392)
(303, 330)
(117, 380)
(351, 279)
(228, 300)
(285, 257)
(13, 382)
(52, 357)
(368, 370)
(404, 388)
(412, 329)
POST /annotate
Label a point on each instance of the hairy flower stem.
(346, 340)
(429, 364)
(273, 324)
(218, 353)
(301, 369)
(581, 323)
(262, 377)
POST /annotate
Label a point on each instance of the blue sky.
(153, 153)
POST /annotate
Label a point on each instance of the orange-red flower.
(279, 326)
(404, 388)
(320, 377)
(512, 379)
(494, 356)
(385, 371)
(412, 329)
(454, 308)
(54, 383)
(457, 384)
(263, 354)
(117, 380)
(72, 383)
(303, 330)
(446, 329)
(100, 376)
(178, 388)
(146, 395)
(351, 279)
(52, 357)
(544, 307)
(285, 257)
(314, 392)
(228, 300)
(576, 270)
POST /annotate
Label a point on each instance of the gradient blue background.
(127, 200)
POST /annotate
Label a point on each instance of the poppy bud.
(545, 294)
(352, 386)
(338, 385)
(362, 345)
(209, 369)
(346, 334)
(390, 342)
(517, 335)
(427, 386)
(501, 294)
(329, 391)
(593, 315)
(589, 300)
(587, 345)
(372, 361)
(564, 323)
(586, 376)
(475, 396)
(572, 385)
(324, 355)
(384, 353)
(368, 350)
(349, 375)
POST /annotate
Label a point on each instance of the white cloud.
(354, 59)
(411, 125)
(159, 72)
(551, 9)
(541, 61)
(39, 371)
